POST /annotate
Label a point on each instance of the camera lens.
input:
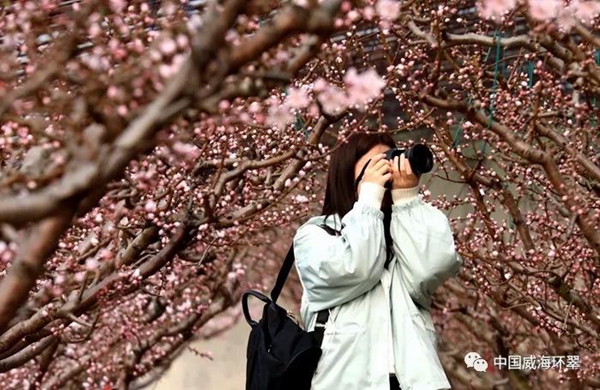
(421, 159)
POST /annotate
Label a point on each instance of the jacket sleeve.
(424, 247)
(336, 269)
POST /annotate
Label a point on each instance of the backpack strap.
(319, 331)
(322, 315)
(287, 265)
(283, 274)
(330, 230)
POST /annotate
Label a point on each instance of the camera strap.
(362, 172)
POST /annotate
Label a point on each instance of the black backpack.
(281, 355)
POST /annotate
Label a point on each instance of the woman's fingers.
(380, 163)
(378, 157)
(380, 166)
(405, 167)
(378, 171)
(408, 167)
(375, 161)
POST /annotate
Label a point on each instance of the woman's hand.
(402, 174)
(378, 171)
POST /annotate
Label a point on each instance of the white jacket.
(346, 274)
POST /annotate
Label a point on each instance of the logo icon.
(474, 360)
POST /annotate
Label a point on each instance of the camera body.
(393, 152)
(390, 154)
(419, 156)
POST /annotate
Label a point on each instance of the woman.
(377, 277)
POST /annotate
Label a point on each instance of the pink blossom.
(150, 206)
(178, 60)
(168, 47)
(11, 41)
(194, 23)
(320, 85)
(566, 19)
(368, 12)
(301, 3)
(544, 10)
(494, 9)
(122, 110)
(95, 62)
(6, 255)
(105, 254)
(282, 56)
(182, 41)
(91, 264)
(388, 9)
(112, 92)
(279, 116)
(169, 9)
(585, 11)
(301, 199)
(224, 105)
(232, 36)
(353, 15)
(333, 100)
(94, 30)
(155, 55)
(362, 87)
(313, 110)
(117, 5)
(188, 151)
(232, 275)
(166, 71)
(297, 98)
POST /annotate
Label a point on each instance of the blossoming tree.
(135, 161)
(152, 152)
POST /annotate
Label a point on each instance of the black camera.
(419, 156)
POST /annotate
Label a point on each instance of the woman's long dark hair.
(340, 193)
